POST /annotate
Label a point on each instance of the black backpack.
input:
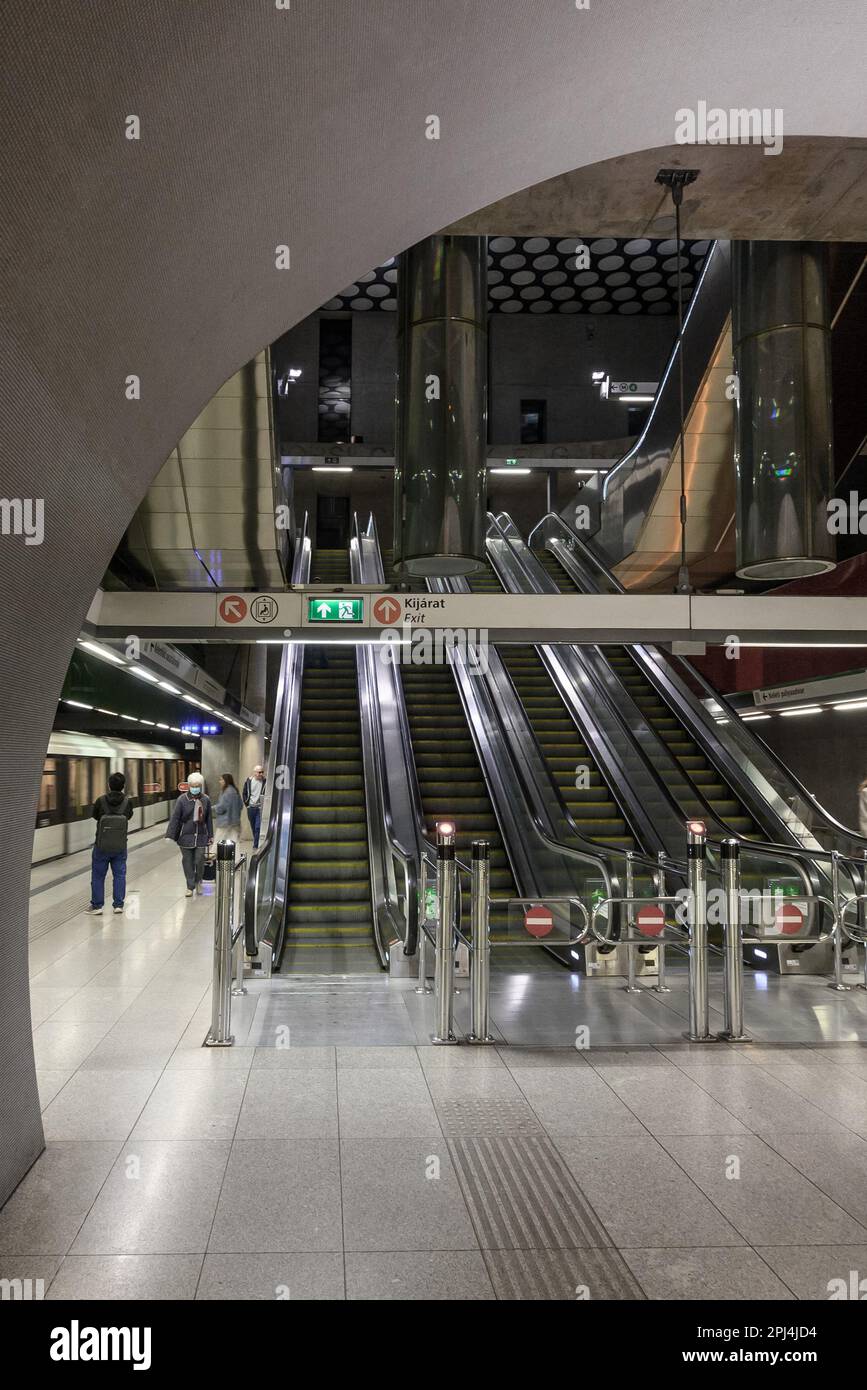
(111, 831)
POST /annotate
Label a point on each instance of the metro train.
(76, 771)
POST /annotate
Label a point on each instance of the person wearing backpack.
(112, 813)
(192, 828)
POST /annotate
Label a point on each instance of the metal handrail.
(278, 834)
(800, 857)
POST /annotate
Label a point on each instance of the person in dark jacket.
(192, 829)
(254, 795)
(114, 802)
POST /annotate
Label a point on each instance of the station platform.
(334, 1153)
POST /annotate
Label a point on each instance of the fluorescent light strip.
(165, 685)
(144, 675)
(77, 704)
(850, 704)
(753, 718)
(801, 709)
(320, 468)
(850, 700)
(112, 712)
(832, 645)
(101, 652)
(630, 400)
(522, 472)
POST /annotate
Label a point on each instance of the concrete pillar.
(221, 753)
(784, 445)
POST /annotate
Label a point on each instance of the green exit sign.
(335, 610)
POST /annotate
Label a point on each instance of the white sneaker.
(189, 893)
(199, 888)
(118, 911)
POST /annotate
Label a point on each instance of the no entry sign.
(650, 920)
(539, 920)
(789, 919)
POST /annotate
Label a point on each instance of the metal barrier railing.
(228, 944)
(654, 930)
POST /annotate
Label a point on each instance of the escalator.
(590, 804)
(450, 779)
(329, 921)
(330, 567)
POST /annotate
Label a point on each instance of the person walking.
(192, 829)
(227, 809)
(112, 813)
(254, 793)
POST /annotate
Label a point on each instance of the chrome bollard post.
(480, 961)
(733, 964)
(696, 852)
(661, 987)
(219, 1034)
(837, 982)
(238, 955)
(631, 986)
(422, 987)
(862, 921)
(444, 965)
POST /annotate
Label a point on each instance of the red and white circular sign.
(539, 920)
(650, 919)
(387, 610)
(233, 608)
(789, 919)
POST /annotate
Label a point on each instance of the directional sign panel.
(335, 610)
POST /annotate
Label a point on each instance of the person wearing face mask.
(191, 827)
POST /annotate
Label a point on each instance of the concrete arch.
(262, 126)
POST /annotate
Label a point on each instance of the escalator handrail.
(381, 759)
(277, 839)
(804, 860)
(680, 665)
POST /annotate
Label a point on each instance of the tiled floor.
(334, 1153)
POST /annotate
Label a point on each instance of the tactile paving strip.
(561, 1274)
(483, 1115)
(521, 1196)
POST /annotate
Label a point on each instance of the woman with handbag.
(227, 809)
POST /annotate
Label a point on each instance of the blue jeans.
(99, 868)
(254, 815)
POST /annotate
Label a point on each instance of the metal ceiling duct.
(441, 420)
(783, 441)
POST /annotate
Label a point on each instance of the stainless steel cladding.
(441, 420)
(783, 442)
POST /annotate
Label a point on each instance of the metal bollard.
(661, 987)
(444, 967)
(733, 966)
(239, 954)
(631, 986)
(837, 982)
(480, 961)
(862, 920)
(696, 852)
(219, 1034)
(422, 987)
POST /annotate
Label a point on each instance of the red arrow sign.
(539, 920)
(789, 919)
(233, 609)
(650, 920)
(387, 610)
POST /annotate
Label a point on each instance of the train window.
(132, 768)
(49, 793)
(80, 804)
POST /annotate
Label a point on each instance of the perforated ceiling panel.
(560, 275)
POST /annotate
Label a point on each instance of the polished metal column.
(783, 445)
(444, 964)
(696, 852)
(441, 408)
(219, 1033)
(733, 957)
(480, 961)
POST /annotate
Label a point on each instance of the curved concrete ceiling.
(263, 126)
